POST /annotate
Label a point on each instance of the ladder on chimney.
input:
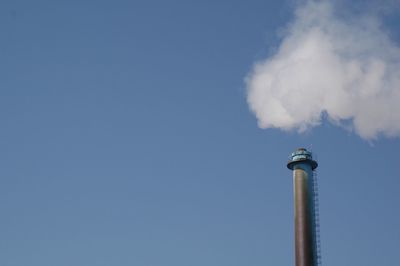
(316, 218)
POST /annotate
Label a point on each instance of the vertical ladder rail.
(316, 218)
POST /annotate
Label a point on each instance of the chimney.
(305, 207)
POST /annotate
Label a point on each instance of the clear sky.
(126, 139)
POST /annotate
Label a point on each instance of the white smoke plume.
(344, 70)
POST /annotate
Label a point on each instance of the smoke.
(327, 67)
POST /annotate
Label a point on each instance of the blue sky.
(126, 139)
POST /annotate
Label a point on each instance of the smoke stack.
(305, 211)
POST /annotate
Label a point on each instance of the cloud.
(344, 69)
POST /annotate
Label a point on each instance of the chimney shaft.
(302, 164)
